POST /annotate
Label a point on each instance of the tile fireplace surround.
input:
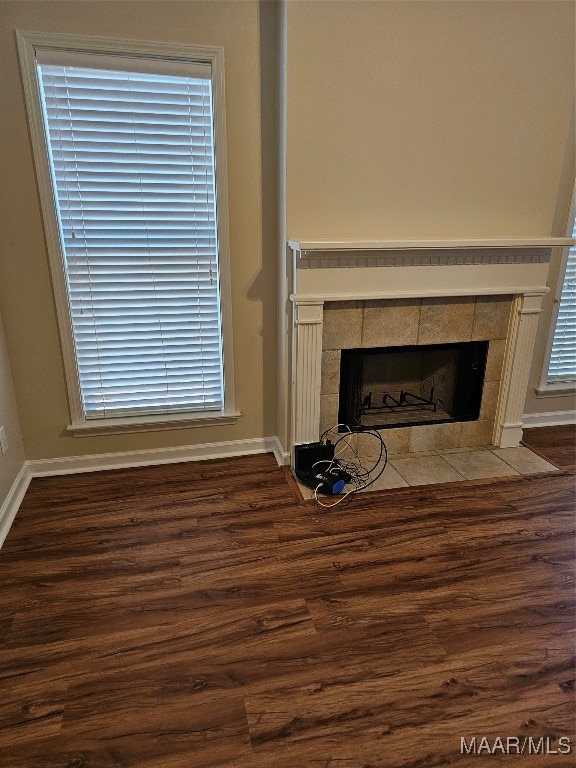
(352, 294)
(398, 322)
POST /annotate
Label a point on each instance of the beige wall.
(25, 293)
(430, 119)
(410, 119)
(11, 462)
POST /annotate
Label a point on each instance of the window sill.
(150, 423)
(564, 389)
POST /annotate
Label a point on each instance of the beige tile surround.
(400, 322)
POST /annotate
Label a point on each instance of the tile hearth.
(455, 465)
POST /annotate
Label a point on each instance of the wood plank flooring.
(197, 616)
(557, 444)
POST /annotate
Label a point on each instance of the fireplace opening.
(386, 387)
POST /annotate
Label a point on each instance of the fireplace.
(437, 341)
(386, 387)
(346, 295)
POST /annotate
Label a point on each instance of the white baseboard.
(552, 419)
(98, 462)
(12, 502)
(280, 454)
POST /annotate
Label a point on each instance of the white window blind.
(562, 365)
(132, 157)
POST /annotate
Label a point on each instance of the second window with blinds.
(133, 158)
(562, 358)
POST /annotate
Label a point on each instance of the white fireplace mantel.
(361, 270)
(340, 270)
(443, 244)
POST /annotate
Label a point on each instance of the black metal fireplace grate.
(405, 400)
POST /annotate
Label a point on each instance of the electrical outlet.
(3, 440)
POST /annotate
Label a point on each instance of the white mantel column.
(306, 371)
(520, 347)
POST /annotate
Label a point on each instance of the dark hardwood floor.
(196, 616)
(557, 444)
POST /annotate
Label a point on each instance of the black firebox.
(387, 387)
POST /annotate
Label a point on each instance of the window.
(135, 159)
(562, 360)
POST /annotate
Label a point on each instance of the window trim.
(558, 388)
(28, 43)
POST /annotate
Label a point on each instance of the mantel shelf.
(317, 247)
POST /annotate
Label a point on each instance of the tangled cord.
(360, 476)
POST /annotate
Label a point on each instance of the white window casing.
(129, 147)
(559, 371)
